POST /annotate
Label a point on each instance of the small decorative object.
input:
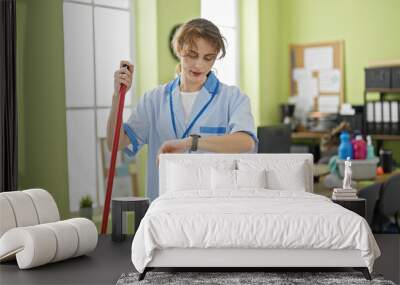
(386, 157)
(86, 209)
(347, 174)
(347, 192)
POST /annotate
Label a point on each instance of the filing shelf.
(379, 138)
(381, 80)
(382, 94)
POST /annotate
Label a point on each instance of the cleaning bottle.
(359, 148)
(370, 148)
(345, 148)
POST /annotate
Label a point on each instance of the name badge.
(213, 130)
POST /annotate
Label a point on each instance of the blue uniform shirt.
(151, 121)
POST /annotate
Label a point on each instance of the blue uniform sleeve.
(138, 125)
(240, 117)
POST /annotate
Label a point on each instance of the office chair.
(274, 138)
(389, 203)
(371, 196)
(383, 203)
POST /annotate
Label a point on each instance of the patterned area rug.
(225, 278)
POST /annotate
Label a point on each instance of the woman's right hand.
(124, 76)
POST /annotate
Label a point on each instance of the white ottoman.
(31, 232)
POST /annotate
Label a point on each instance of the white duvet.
(251, 218)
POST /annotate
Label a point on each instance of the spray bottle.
(345, 148)
(359, 148)
(370, 148)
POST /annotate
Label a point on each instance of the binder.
(386, 118)
(370, 118)
(378, 117)
(395, 118)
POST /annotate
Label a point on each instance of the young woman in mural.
(195, 112)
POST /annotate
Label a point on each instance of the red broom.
(111, 171)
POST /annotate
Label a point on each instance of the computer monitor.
(274, 138)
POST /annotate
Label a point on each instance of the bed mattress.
(250, 219)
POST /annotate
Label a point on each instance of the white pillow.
(281, 180)
(193, 174)
(281, 174)
(223, 179)
(182, 177)
(251, 178)
(237, 179)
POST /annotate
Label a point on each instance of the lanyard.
(171, 107)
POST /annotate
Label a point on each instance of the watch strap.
(195, 142)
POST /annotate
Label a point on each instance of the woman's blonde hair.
(194, 29)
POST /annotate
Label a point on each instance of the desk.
(320, 170)
(378, 179)
(386, 176)
(314, 137)
(308, 135)
(315, 140)
(381, 138)
(318, 136)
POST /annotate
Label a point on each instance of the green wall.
(154, 63)
(249, 22)
(154, 20)
(260, 57)
(146, 65)
(41, 99)
(170, 13)
(270, 61)
(369, 28)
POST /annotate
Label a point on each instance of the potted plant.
(86, 209)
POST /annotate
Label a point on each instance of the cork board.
(320, 65)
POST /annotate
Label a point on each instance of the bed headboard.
(213, 159)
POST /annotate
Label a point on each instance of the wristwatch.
(195, 141)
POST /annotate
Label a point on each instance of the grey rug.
(230, 278)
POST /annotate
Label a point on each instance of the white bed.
(202, 220)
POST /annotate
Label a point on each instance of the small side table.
(356, 205)
(139, 205)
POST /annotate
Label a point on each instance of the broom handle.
(111, 171)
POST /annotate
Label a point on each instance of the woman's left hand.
(174, 146)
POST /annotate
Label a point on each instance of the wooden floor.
(110, 259)
(388, 264)
(102, 266)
